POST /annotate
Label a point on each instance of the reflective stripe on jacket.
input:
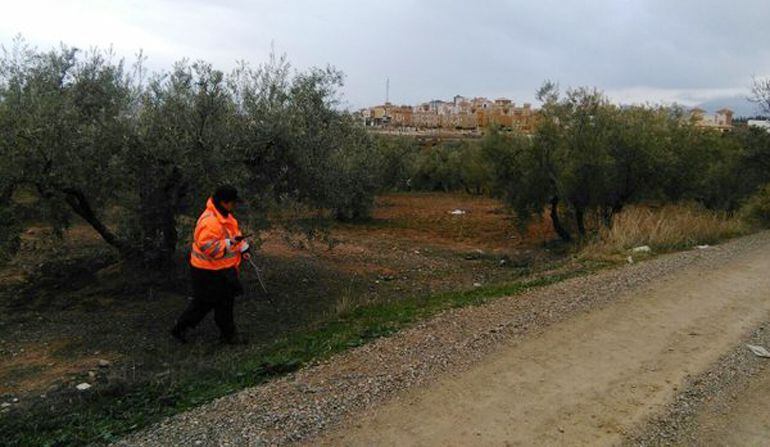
(214, 246)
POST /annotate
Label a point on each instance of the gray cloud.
(654, 50)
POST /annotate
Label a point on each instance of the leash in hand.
(259, 278)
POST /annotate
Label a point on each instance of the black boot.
(234, 339)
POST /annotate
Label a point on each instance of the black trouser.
(212, 290)
(197, 309)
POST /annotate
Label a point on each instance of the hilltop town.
(459, 114)
(470, 116)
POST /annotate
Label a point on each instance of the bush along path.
(301, 405)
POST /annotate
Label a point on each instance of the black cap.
(226, 193)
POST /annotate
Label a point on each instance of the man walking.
(217, 249)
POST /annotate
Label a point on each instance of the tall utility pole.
(387, 90)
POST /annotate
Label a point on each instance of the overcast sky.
(635, 50)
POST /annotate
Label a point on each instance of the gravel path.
(299, 406)
(726, 405)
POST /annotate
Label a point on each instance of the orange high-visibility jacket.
(214, 246)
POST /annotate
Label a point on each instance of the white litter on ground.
(457, 212)
(759, 351)
(83, 386)
(642, 249)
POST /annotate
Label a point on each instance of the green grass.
(108, 414)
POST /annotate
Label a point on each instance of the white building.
(762, 124)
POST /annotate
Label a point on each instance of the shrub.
(398, 157)
(756, 210)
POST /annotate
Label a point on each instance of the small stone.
(476, 284)
(83, 386)
(5, 405)
(104, 363)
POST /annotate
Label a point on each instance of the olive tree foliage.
(178, 149)
(754, 144)
(63, 121)
(563, 165)
(136, 156)
(587, 157)
(520, 173)
(444, 166)
(398, 157)
(438, 168)
(297, 147)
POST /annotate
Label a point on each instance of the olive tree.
(64, 121)
(178, 150)
(131, 155)
(590, 157)
(297, 147)
(398, 157)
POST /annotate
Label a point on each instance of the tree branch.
(7, 193)
(82, 207)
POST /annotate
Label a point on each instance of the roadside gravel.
(296, 407)
(699, 414)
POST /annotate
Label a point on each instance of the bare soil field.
(69, 307)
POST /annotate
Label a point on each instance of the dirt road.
(586, 379)
(747, 423)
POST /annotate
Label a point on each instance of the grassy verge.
(663, 229)
(107, 414)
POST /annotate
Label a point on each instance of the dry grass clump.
(668, 227)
